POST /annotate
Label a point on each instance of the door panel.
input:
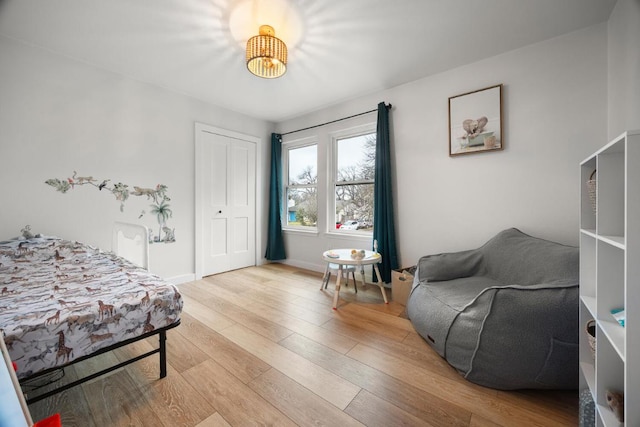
(241, 177)
(227, 200)
(241, 243)
(244, 196)
(217, 187)
(218, 237)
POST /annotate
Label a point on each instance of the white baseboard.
(306, 265)
(183, 278)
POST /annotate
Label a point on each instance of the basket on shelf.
(590, 328)
(592, 185)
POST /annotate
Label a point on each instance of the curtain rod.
(334, 121)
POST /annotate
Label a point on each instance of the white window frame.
(352, 132)
(286, 148)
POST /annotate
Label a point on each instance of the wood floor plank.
(182, 354)
(172, 398)
(357, 333)
(215, 420)
(234, 400)
(377, 317)
(322, 305)
(292, 323)
(393, 308)
(287, 305)
(478, 421)
(265, 273)
(95, 364)
(324, 298)
(325, 384)
(176, 402)
(416, 352)
(371, 325)
(72, 404)
(412, 348)
(271, 296)
(479, 400)
(117, 401)
(336, 341)
(415, 340)
(298, 403)
(417, 402)
(233, 309)
(144, 371)
(375, 412)
(236, 360)
(231, 281)
(560, 405)
(195, 307)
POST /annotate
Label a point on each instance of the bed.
(63, 301)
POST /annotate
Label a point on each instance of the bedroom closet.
(225, 200)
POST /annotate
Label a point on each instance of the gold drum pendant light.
(266, 54)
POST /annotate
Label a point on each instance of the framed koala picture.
(475, 121)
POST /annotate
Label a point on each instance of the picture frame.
(475, 121)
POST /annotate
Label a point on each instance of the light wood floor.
(261, 346)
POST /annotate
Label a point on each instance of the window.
(354, 165)
(301, 186)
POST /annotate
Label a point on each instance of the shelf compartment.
(617, 241)
(586, 355)
(607, 419)
(610, 191)
(609, 376)
(610, 291)
(587, 210)
(590, 305)
(587, 265)
(615, 334)
(589, 374)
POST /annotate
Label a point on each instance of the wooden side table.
(342, 257)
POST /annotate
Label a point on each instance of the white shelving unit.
(610, 277)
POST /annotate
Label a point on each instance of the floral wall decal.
(121, 191)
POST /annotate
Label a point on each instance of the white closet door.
(226, 201)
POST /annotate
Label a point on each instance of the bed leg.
(163, 354)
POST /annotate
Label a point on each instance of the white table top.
(343, 257)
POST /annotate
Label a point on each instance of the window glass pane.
(354, 207)
(302, 165)
(356, 158)
(302, 207)
(354, 182)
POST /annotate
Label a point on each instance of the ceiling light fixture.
(266, 54)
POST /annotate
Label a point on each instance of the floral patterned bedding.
(61, 300)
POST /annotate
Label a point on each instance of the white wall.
(58, 115)
(554, 111)
(624, 67)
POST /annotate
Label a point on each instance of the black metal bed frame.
(162, 350)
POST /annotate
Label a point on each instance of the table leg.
(364, 284)
(380, 284)
(337, 292)
(324, 278)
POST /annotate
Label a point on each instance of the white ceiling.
(344, 48)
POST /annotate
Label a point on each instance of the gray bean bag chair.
(504, 315)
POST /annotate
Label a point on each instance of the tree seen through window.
(354, 182)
